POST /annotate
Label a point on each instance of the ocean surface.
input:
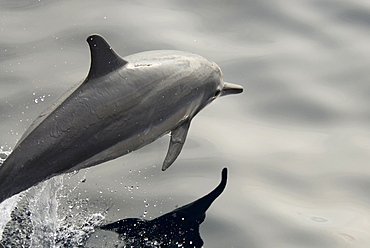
(296, 141)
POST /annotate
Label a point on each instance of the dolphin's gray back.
(108, 116)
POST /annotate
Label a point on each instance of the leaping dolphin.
(121, 106)
(179, 228)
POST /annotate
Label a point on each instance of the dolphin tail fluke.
(178, 136)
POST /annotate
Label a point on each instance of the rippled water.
(296, 142)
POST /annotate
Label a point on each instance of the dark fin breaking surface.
(200, 206)
(103, 58)
(178, 228)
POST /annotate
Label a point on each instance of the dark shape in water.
(123, 105)
(179, 228)
(18, 231)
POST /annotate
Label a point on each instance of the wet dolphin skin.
(121, 106)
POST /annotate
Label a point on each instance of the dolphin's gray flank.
(121, 106)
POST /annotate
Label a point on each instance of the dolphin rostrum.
(121, 106)
(179, 228)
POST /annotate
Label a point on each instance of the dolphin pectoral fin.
(178, 136)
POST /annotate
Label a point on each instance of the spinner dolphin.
(121, 106)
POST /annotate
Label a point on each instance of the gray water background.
(296, 142)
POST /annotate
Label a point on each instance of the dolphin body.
(121, 106)
(179, 228)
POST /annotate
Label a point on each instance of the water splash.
(48, 216)
(6, 209)
(75, 234)
(17, 232)
(7, 206)
(4, 153)
(44, 207)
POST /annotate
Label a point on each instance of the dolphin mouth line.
(231, 89)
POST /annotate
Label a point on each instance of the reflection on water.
(297, 141)
(36, 222)
(179, 228)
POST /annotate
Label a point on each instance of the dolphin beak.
(229, 89)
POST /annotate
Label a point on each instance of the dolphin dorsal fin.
(103, 59)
